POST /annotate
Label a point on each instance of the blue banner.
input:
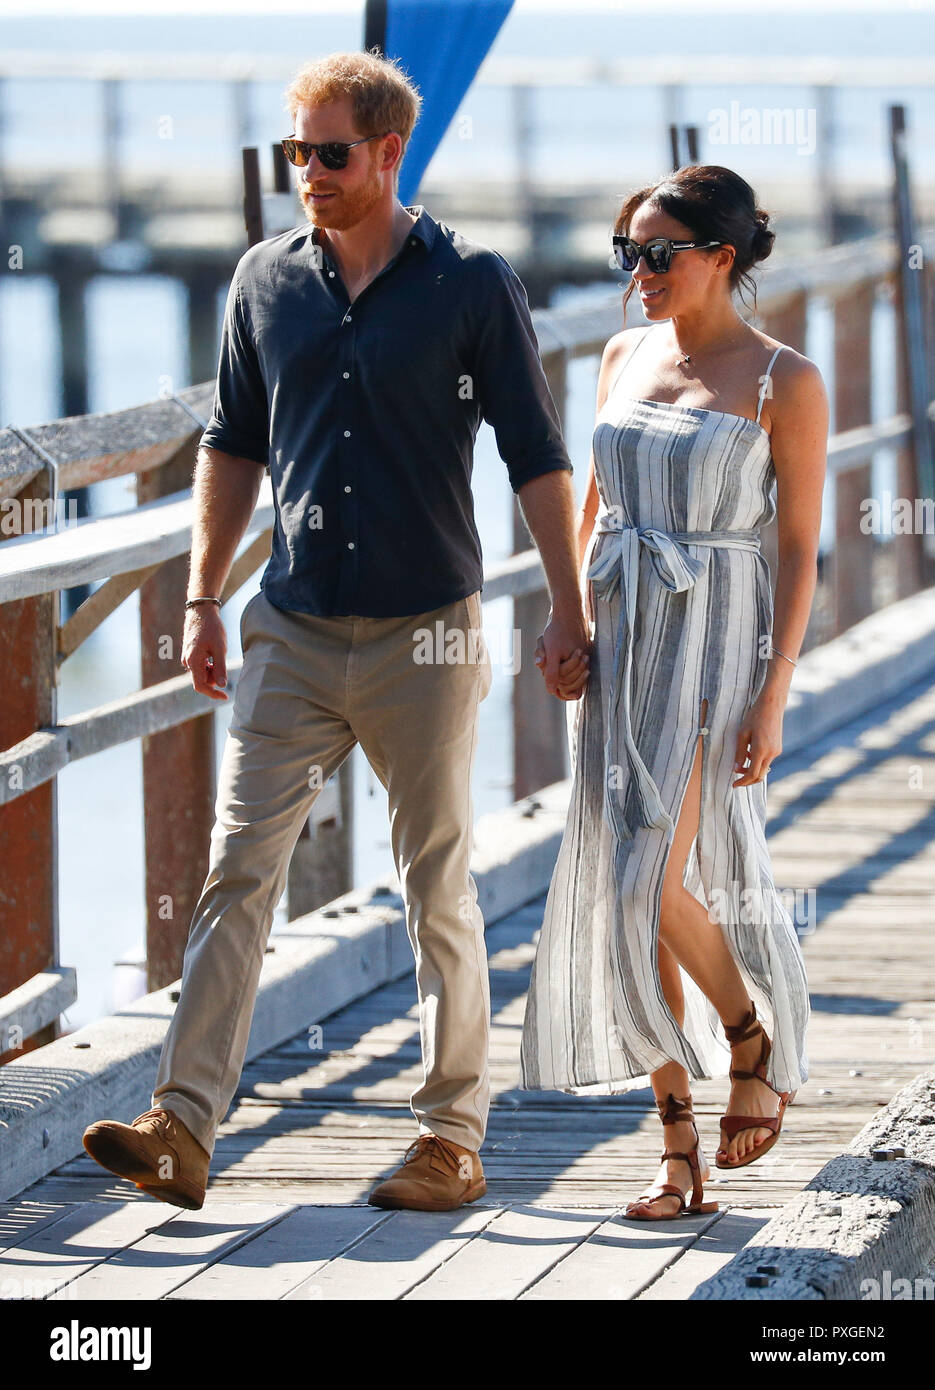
(440, 44)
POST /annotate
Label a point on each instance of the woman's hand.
(572, 673)
(760, 739)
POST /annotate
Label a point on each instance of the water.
(101, 841)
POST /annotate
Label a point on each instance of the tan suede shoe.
(436, 1175)
(157, 1152)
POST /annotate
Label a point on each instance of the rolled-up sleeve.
(510, 383)
(240, 422)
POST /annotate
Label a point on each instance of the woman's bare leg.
(673, 1079)
(700, 947)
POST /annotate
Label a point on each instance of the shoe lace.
(449, 1154)
(157, 1113)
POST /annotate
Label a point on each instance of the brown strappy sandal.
(672, 1110)
(732, 1125)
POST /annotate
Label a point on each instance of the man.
(358, 357)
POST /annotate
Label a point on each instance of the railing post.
(178, 764)
(908, 553)
(540, 755)
(201, 290)
(29, 824)
(853, 549)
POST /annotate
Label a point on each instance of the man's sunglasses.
(657, 253)
(333, 153)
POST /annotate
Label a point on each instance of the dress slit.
(693, 1063)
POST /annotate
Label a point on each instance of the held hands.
(204, 650)
(567, 643)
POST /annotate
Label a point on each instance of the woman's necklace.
(684, 360)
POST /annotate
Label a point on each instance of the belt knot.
(617, 568)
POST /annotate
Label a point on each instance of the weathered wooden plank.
(89, 448)
(177, 1250)
(714, 1247)
(38, 758)
(509, 1254)
(99, 547)
(285, 1255)
(37, 1002)
(396, 1255)
(20, 1221)
(335, 1191)
(54, 1258)
(621, 1258)
(97, 607)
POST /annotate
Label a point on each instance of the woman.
(663, 905)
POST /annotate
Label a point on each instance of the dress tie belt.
(618, 568)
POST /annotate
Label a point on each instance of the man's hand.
(563, 656)
(204, 650)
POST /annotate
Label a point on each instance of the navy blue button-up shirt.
(366, 414)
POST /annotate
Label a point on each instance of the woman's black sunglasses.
(657, 253)
(333, 153)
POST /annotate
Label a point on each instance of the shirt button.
(347, 434)
(350, 545)
(346, 488)
(347, 318)
(346, 375)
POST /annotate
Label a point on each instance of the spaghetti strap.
(766, 381)
(630, 357)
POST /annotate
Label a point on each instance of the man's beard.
(345, 209)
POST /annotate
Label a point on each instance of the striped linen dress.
(681, 611)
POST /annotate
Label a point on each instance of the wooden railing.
(147, 548)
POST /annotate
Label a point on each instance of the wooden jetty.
(311, 1129)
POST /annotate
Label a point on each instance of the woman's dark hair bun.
(712, 203)
(763, 236)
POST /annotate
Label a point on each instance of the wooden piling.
(854, 547)
(179, 763)
(202, 291)
(28, 825)
(252, 196)
(908, 550)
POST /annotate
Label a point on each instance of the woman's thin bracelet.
(774, 651)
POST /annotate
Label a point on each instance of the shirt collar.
(424, 227)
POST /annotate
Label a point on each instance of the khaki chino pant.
(309, 689)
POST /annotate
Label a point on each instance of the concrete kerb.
(866, 1221)
(315, 965)
(870, 663)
